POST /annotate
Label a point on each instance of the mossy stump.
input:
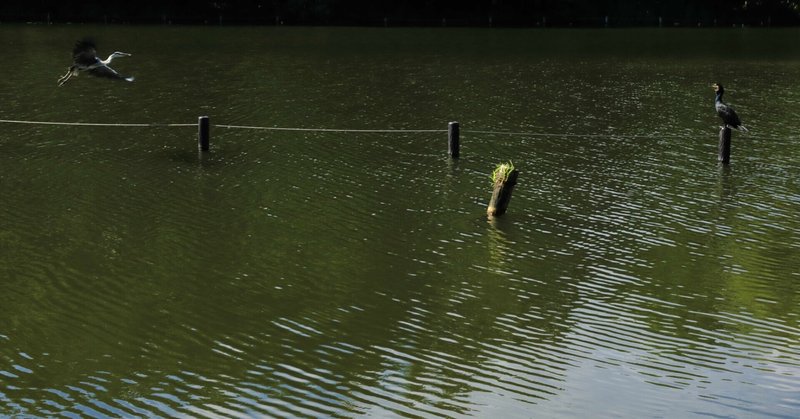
(504, 178)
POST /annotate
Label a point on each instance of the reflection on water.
(340, 274)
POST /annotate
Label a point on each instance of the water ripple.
(288, 274)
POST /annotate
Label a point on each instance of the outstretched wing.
(106, 72)
(84, 53)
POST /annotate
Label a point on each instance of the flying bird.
(84, 58)
(725, 111)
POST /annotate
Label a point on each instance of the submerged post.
(504, 178)
(725, 145)
(202, 133)
(452, 140)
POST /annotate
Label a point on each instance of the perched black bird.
(84, 57)
(726, 112)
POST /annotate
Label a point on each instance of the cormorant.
(84, 57)
(726, 112)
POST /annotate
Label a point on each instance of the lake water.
(319, 273)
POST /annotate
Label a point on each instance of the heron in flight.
(84, 58)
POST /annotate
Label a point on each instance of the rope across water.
(366, 131)
(91, 124)
(377, 131)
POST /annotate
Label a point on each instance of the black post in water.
(202, 133)
(452, 140)
(725, 145)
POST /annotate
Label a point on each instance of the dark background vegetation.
(524, 13)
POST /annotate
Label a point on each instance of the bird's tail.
(129, 78)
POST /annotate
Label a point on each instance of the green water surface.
(329, 273)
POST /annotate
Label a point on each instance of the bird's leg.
(63, 79)
(66, 77)
(69, 70)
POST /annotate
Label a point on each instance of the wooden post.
(202, 133)
(452, 140)
(725, 145)
(501, 195)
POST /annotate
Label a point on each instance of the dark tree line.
(411, 12)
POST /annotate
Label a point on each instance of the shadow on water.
(220, 155)
(500, 246)
(204, 159)
(727, 182)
